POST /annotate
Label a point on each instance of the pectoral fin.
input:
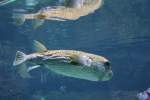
(37, 23)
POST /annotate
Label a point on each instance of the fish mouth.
(107, 76)
(105, 68)
(108, 71)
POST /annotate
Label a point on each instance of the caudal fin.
(19, 18)
(20, 58)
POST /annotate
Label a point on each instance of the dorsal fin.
(38, 47)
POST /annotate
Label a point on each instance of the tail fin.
(38, 47)
(20, 58)
(19, 19)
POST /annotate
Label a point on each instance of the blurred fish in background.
(34, 4)
(63, 89)
(68, 10)
(27, 4)
(31, 3)
(144, 95)
(38, 96)
(71, 3)
(4, 2)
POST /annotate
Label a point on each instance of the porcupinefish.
(71, 63)
(70, 11)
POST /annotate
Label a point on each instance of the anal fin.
(23, 71)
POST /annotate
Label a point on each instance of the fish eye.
(107, 65)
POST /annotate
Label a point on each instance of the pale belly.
(77, 71)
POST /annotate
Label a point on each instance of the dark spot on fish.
(49, 55)
(107, 65)
(41, 16)
(74, 63)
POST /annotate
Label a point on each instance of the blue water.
(120, 31)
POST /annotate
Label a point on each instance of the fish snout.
(103, 66)
(108, 71)
(108, 75)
